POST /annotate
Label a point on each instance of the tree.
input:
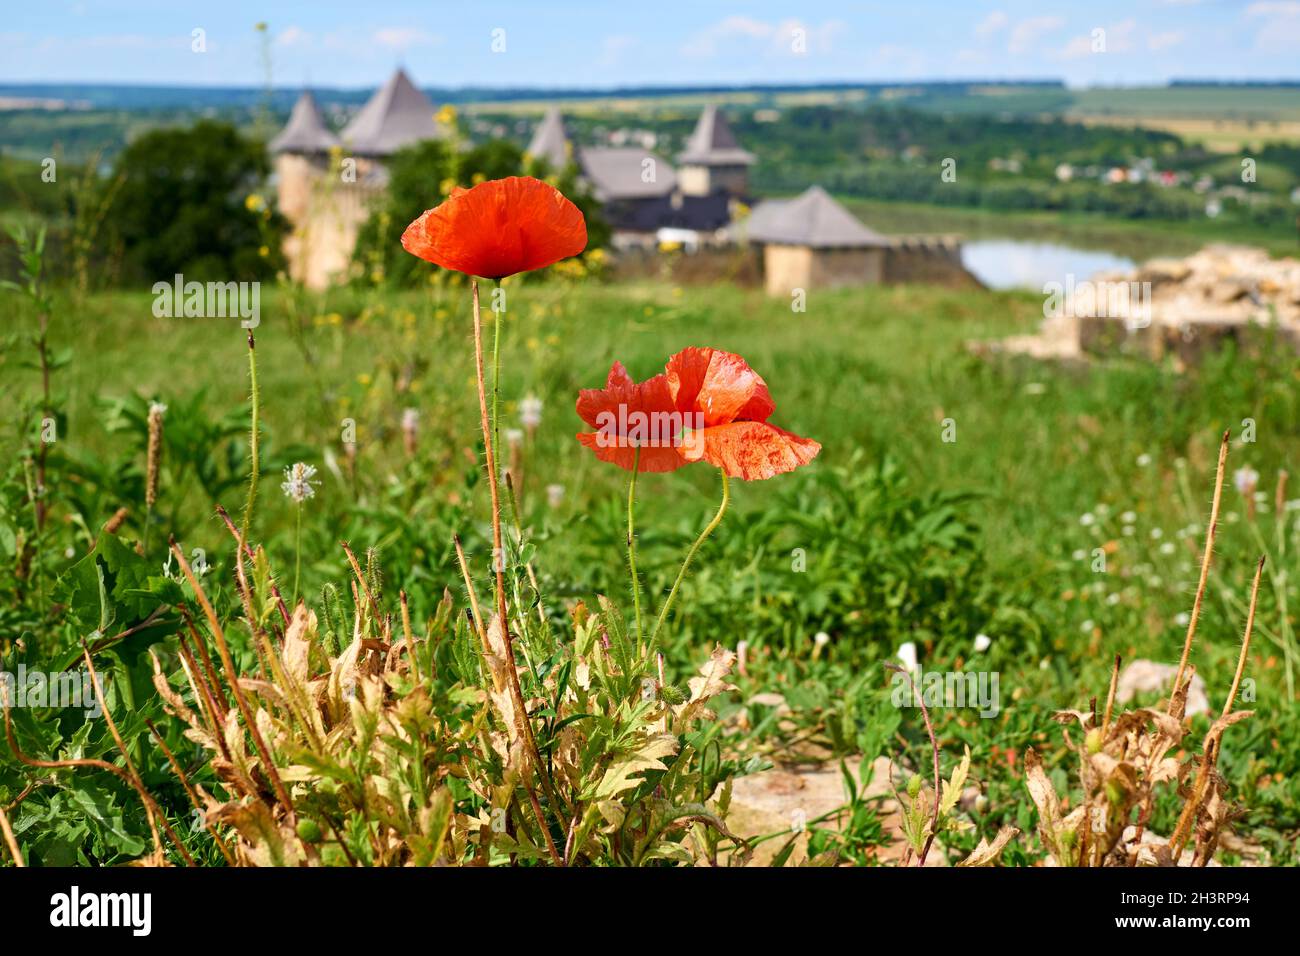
(182, 206)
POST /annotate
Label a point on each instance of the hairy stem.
(498, 564)
(252, 439)
(690, 555)
(631, 545)
(1205, 571)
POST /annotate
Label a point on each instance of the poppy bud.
(309, 831)
(914, 786)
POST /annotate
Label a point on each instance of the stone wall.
(934, 260)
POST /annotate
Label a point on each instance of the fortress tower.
(327, 185)
(713, 161)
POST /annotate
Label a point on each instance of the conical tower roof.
(306, 131)
(812, 219)
(396, 116)
(551, 141)
(713, 143)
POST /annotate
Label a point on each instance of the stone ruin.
(1178, 309)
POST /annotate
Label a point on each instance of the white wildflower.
(298, 484)
(554, 495)
(530, 411)
(1245, 479)
(982, 643)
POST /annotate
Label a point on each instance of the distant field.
(632, 107)
(1223, 118)
(1217, 133)
(1244, 102)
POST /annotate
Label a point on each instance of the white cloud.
(1271, 8)
(1115, 37)
(293, 36)
(991, 24)
(1025, 34)
(612, 49)
(1280, 30)
(1163, 41)
(775, 38)
(402, 38)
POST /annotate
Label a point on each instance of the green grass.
(872, 374)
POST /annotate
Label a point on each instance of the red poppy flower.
(730, 404)
(499, 228)
(629, 415)
(708, 406)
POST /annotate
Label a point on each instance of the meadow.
(958, 504)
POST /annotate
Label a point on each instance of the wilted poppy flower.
(731, 403)
(629, 415)
(498, 228)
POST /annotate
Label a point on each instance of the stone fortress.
(327, 185)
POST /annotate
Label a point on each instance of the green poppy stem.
(690, 555)
(246, 524)
(496, 378)
(631, 545)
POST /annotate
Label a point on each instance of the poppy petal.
(499, 228)
(651, 395)
(623, 454)
(720, 385)
(618, 376)
(628, 415)
(750, 451)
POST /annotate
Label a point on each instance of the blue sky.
(552, 43)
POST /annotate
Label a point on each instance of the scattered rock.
(773, 700)
(776, 799)
(1143, 676)
(1147, 849)
(1176, 308)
